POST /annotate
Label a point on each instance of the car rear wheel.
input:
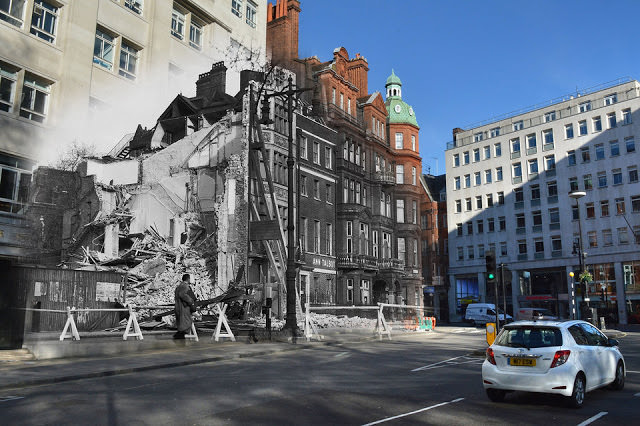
(618, 382)
(496, 395)
(577, 396)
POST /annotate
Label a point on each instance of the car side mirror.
(613, 342)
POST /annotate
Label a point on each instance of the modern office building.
(88, 71)
(508, 191)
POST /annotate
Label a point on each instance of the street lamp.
(576, 195)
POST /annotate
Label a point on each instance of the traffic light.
(490, 260)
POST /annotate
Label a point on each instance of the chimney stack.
(212, 82)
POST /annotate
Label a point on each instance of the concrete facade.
(507, 190)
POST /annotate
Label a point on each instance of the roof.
(393, 79)
(435, 184)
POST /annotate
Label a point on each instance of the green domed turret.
(399, 111)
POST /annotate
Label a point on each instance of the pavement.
(99, 355)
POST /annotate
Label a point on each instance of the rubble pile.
(323, 321)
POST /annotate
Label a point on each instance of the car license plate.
(522, 362)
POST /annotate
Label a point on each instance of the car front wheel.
(496, 395)
(618, 382)
(577, 396)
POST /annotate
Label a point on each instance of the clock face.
(398, 108)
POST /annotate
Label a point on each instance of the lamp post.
(576, 195)
(290, 94)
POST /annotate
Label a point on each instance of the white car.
(568, 358)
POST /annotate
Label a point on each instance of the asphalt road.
(410, 380)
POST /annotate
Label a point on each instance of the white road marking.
(341, 354)
(10, 398)
(142, 386)
(631, 371)
(413, 412)
(450, 362)
(594, 418)
(637, 394)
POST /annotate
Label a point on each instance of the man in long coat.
(184, 306)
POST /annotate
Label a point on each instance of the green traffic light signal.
(492, 277)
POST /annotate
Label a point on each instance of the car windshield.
(529, 337)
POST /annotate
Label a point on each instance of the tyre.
(618, 382)
(577, 396)
(496, 395)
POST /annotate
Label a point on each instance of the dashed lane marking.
(450, 362)
(413, 412)
(10, 398)
(631, 371)
(594, 418)
(341, 354)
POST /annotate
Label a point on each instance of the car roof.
(542, 322)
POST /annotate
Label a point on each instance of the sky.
(463, 62)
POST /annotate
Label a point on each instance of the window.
(604, 208)
(584, 152)
(195, 34)
(550, 162)
(8, 79)
(470, 228)
(571, 158)
(252, 12)
(44, 20)
(470, 252)
(502, 223)
(399, 173)
(467, 203)
(588, 182)
(520, 221)
(456, 182)
(329, 189)
(515, 145)
(531, 141)
(573, 183)
(498, 174)
(459, 229)
(476, 155)
(35, 98)
(497, 148)
(400, 211)
(128, 61)
(630, 144)
(333, 95)
(533, 166)
(597, 124)
(467, 181)
(348, 105)
(303, 185)
(316, 153)
(517, 170)
(607, 237)
(491, 225)
(316, 189)
(538, 244)
(518, 195)
(537, 218)
(487, 176)
(623, 237)
(178, 20)
(610, 99)
(349, 236)
(478, 201)
(556, 243)
(568, 131)
(626, 116)
(402, 251)
(374, 235)
(460, 251)
(599, 151)
(103, 49)
(15, 178)
(341, 101)
(414, 176)
(518, 125)
(302, 144)
(414, 212)
(522, 247)
(602, 179)
(552, 189)
(582, 127)
(316, 236)
(611, 120)
(615, 148)
(547, 136)
(620, 206)
(617, 176)
(635, 203)
(535, 192)
(487, 152)
(12, 11)
(591, 210)
(327, 157)
(456, 160)
(549, 116)
(465, 157)
(477, 178)
(399, 141)
(478, 137)
(236, 8)
(495, 132)
(554, 216)
(413, 142)
(633, 174)
(349, 290)
(489, 200)
(584, 106)
(500, 198)
(329, 239)
(503, 248)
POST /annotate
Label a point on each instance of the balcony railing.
(391, 264)
(357, 261)
(385, 178)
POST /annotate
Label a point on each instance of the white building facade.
(508, 185)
